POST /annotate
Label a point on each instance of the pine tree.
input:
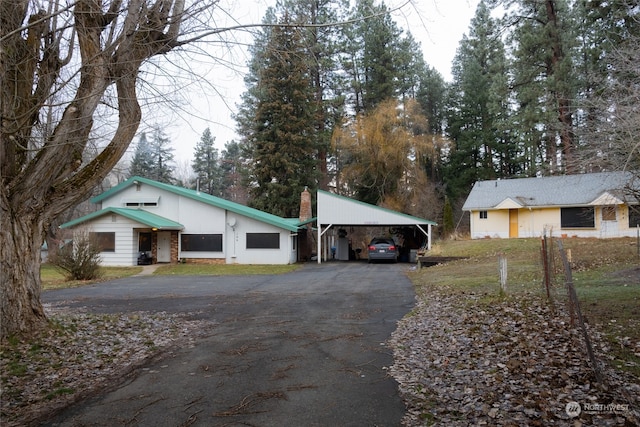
(142, 162)
(478, 101)
(545, 83)
(162, 157)
(234, 173)
(206, 165)
(281, 138)
(371, 58)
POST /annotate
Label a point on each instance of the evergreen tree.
(162, 157)
(206, 165)
(478, 101)
(372, 59)
(142, 162)
(280, 140)
(545, 82)
(234, 173)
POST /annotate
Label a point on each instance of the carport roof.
(340, 210)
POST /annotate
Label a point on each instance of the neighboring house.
(586, 205)
(173, 224)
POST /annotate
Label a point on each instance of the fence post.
(573, 299)
(545, 265)
(502, 265)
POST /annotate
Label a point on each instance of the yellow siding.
(535, 222)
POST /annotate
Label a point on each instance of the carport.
(336, 211)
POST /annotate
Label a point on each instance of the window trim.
(483, 214)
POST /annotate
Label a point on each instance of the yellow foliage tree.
(381, 158)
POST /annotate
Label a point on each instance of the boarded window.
(608, 213)
(483, 215)
(105, 241)
(263, 240)
(201, 242)
(634, 216)
(583, 217)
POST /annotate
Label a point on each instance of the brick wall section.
(305, 243)
(305, 205)
(174, 246)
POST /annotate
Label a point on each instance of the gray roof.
(564, 190)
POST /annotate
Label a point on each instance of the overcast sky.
(437, 24)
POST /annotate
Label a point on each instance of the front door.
(513, 223)
(164, 246)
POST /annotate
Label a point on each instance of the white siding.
(338, 210)
(199, 218)
(243, 255)
(126, 239)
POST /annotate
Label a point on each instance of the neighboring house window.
(634, 216)
(608, 213)
(263, 240)
(105, 241)
(582, 217)
(483, 215)
(201, 242)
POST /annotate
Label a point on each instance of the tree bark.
(42, 179)
(21, 237)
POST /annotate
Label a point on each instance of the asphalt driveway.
(299, 349)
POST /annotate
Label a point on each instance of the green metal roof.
(237, 208)
(143, 217)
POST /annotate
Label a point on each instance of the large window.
(105, 241)
(201, 242)
(583, 217)
(263, 240)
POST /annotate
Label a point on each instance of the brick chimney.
(305, 205)
(305, 236)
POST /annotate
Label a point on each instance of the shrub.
(79, 259)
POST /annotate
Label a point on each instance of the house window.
(608, 213)
(581, 217)
(105, 241)
(201, 242)
(634, 216)
(483, 214)
(263, 240)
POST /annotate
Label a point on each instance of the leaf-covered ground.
(82, 353)
(464, 359)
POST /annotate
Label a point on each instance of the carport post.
(428, 234)
(319, 240)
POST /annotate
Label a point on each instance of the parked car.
(383, 249)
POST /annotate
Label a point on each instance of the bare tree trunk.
(43, 179)
(20, 284)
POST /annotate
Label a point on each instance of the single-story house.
(584, 205)
(165, 223)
